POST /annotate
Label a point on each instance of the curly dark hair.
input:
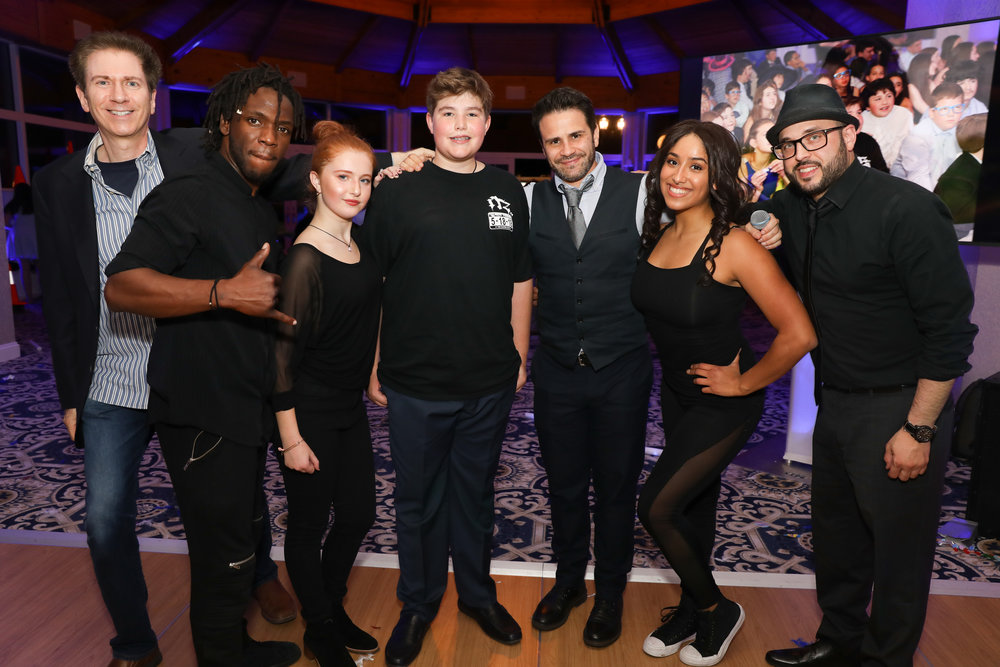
(233, 91)
(727, 192)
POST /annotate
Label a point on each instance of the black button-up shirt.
(890, 295)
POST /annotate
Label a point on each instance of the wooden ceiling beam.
(260, 43)
(610, 37)
(422, 16)
(204, 23)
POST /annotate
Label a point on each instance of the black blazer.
(67, 245)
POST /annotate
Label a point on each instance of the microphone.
(758, 219)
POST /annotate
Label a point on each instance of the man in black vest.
(592, 371)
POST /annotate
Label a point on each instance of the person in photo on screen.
(886, 122)
(759, 169)
(727, 119)
(926, 73)
(931, 146)
(966, 74)
(958, 186)
(866, 149)
(766, 105)
(740, 103)
(901, 87)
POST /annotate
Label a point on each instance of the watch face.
(921, 433)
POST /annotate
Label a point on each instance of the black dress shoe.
(604, 626)
(151, 659)
(407, 637)
(555, 607)
(821, 653)
(495, 622)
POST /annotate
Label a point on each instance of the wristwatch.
(920, 433)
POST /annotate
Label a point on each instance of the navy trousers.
(445, 454)
(592, 427)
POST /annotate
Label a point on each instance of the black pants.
(874, 537)
(678, 502)
(218, 487)
(446, 455)
(592, 426)
(345, 481)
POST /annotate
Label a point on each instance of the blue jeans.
(116, 439)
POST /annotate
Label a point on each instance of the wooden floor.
(52, 615)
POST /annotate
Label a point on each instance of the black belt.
(888, 389)
(583, 360)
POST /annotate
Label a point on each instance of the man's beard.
(582, 170)
(831, 171)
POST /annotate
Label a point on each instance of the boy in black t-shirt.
(452, 243)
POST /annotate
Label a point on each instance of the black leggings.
(345, 482)
(677, 504)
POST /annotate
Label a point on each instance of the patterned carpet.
(763, 516)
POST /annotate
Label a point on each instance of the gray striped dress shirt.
(123, 338)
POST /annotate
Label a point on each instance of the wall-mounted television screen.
(923, 98)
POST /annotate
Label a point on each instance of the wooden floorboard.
(52, 614)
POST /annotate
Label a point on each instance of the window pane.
(6, 83)
(49, 88)
(656, 125)
(8, 151)
(187, 108)
(368, 123)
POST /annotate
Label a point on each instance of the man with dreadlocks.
(198, 259)
(85, 206)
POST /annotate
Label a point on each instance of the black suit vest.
(584, 295)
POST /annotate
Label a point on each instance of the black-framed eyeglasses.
(813, 141)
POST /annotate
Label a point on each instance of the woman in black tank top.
(691, 284)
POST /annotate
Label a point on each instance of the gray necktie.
(574, 216)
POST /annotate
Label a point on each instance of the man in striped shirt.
(85, 205)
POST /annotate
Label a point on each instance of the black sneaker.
(677, 627)
(715, 632)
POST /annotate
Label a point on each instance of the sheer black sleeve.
(302, 298)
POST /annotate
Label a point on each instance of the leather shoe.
(821, 653)
(151, 659)
(555, 607)
(406, 640)
(604, 626)
(276, 605)
(495, 622)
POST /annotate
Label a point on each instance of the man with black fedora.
(876, 262)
